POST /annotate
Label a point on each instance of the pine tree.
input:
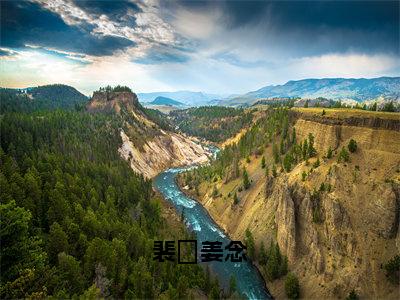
(274, 172)
(343, 155)
(305, 149)
(303, 176)
(275, 153)
(294, 136)
(282, 147)
(246, 181)
(287, 162)
(352, 146)
(235, 199)
(311, 150)
(249, 240)
(292, 286)
(329, 153)
(263, 254)
(232, 285)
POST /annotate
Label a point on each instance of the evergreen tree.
(275, 153)
(232, 285)
(294, 136)
(392, 268)
(305, 149)
(292, 286)
(329, 153)
(352, 146)
(343, 155)
(246, 181)
(263, 254)
(287, 162)
(274, 172)
(311, 150)
(250, 244)
(235, 199)
(352, 295)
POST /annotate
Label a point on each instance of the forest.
(75, 220)
(213, 123)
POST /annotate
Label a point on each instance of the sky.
(223, 47)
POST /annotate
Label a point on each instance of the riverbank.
(192, 195)
(249, 281)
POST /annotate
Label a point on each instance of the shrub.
(215, 192)
(246, 181)
(344, 155)
(352, 295)
(329, 154)
(316, 163)
(287, 162)
(235, 199)
(352, 146)
(274, 173)
(303, 176)
(292, 287)
(392, 268)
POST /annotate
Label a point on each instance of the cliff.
(337, 238)
(148, 148)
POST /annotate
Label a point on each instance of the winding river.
(248, 280)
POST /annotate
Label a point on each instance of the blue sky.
(212, 46)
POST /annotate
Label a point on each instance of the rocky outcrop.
(383, 212)
(108, 101)
(369, 122)
(146, 147)
(162, 152)
(285, 220)
(357, 228)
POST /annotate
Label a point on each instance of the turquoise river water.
(248, 280)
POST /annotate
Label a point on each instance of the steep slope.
(148, 148)
(213, 123)
(339, 223)
(46, 97)
(332, 88)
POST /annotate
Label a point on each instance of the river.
(248, 280)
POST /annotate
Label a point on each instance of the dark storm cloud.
(5, 53)
(27, 23)
(114, 10)
(320, 26)
(160, 55)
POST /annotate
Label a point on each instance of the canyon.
(356, 232)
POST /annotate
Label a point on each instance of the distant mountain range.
(331, 88)
(160, 100)
(186, 97)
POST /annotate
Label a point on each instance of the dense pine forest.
(75, 219)
(48, 97)
(214, 123)
(272, 128)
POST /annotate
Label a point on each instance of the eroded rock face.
(285, 220)
(383, 212)
(107, 101)
(337, 227)
(162, 152)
